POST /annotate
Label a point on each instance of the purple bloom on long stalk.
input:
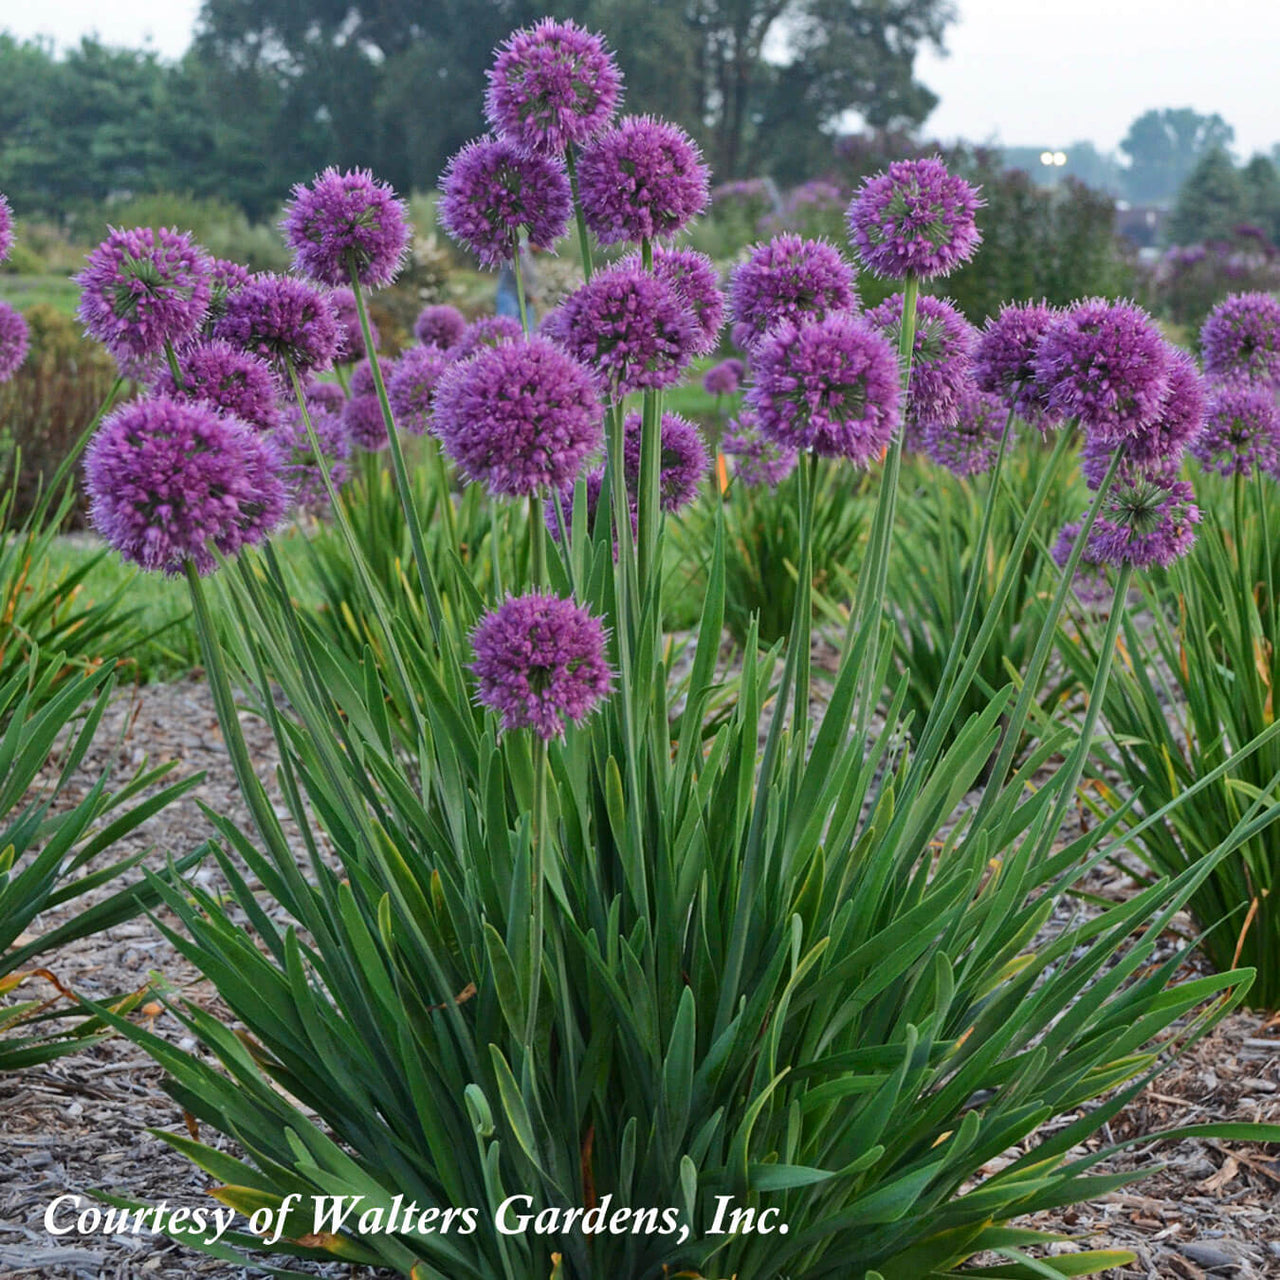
(725, 378)
(362, 415)
(519, 417)
(551, 86)
(301, 472)
(488, 331)
(14, 341)
(684, 460)
(968, 446)
(940, 361)
(642, 180)
(788, 278)
(757, 461)
(327, 397)
(411, 388)
(1107, 364)
(915, 219)
(493, 191)
(1241, 338)
(283, 320)
(1149, 521)
(6, 228)
(696, 282)
(1242, 430)
(227, 378)
(168, 479)
(225, 278)
(345, 222)
(831, 386)
(351, 336)
(144, 289)
(629, 326)
(1004, 361)
(439, 326)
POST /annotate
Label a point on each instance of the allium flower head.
(696, 282)
(300, 472)
(143, 289)
(940, 359)
(230, 380)
(1106, 363)
(1004, 361)
(630, 327)
(285, 321)
(788, 278)
(492, 191)
(363, 422)
(488, 331)
(684, 461)
(345, 222)
(642, 180)
(1242, 430)
(519, 417)
(166, 479)
(968, 446)
(831, 386)
(1241, 337)
(6, 228)
(1091, 586)
(1150, 521)
(411, 388)
(225, 277)
(350, 335)
(915, 219)
(725, 378)
(14, 341)
(552, 86)
(439, 326)
(757, 460)
(539, 662)
(327, 397)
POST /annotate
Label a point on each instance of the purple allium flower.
(916, 219)
(350, 335)
(142, 289)
(14, 340)
(167, 478)
(283, 320)
(630, 327)
(411, 388)
(968, 446)
(325, 397)
(1090, 585)
(725, 378)
(684, 459)
(361, 381)
(520, 417)
(6, 228)
(1242, 337)
(694, 278)
(225, 278)
(488, 331)
(1105, 363)
(642, 180)
(232, 381)
(345, 222)
(788, 279)
(539, 661)
(757, 461)
(363, 422)
(940, 359)
(1242, 430)
(1149, 521)
(1004, 361)
(551, 86)
(492, 190)
(301, 472)
(439, 326)
(831, 386)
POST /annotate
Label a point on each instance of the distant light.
(1046, 157)
(1059, 158)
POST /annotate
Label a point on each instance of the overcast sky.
(1036, 72)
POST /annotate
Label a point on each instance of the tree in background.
(1219, 202)
(1164, 146)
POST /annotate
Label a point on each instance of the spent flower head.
(788, 278)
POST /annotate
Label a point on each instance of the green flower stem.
(1268, 567)
(519, 275)
(343, 374)
(537, 543)
(650, 482)
(171, 356)
(584, 240)
(538, 836)
(802, 621)
(434, 611)
(627, 595)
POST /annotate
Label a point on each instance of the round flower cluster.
(539, 662)
(225, 277)
(325, 397)
(683, 459)
(630, 327)
(1242, 430)
(831, 386)
(286, 321)
(230, 380)
(1149, 521)
(143, 290)
(411, 388)
(552, 86)
(350, 335)
(167, 479)
(693, 278)
(14, 341)
(520, 417)
(641, 180)
(493, 190)
(968, 446)
(345, 224)
(488, 331)
(362, 416)
(788, 279)
(6, 228)
(757, 460)
(1090, 585)
(301, 471)
(1241, 337)
(725, 378)
(439, 326)
(915, 219)
(1004, 361)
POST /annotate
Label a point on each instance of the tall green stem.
(517, 270)
(802, 620)
(537, 544)
(538, 837)
(650, 480)
(584, 240)
(170, 355)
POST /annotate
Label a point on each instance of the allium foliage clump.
(788, 279)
